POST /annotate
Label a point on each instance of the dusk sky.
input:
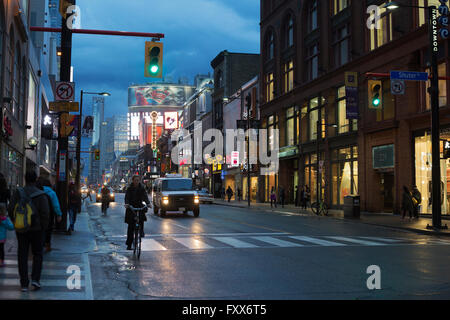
(195, 32)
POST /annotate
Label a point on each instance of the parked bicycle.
(137, 229)
(319, 208)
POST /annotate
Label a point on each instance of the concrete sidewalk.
(388, 220)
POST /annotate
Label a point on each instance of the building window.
(344, 173)
(219, 79)
(269, 46)
(382, 34)
(16, 83)
(442, 72)
(272, 123)
(290, 127)
(10, 69)
(290, 33)
(312, 62)
(312, 16)
(423, 12)
(341, 47)
(288, 76)
(338, 6)
(269, 87)
(343, 123)
(23, 93)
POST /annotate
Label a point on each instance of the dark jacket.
(5, 196)
(75, 199)
(407, 203)
(134, 197)
(105, 194)
(41, 205)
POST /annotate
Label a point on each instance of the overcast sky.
(195, 32)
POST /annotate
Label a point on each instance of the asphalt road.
(233, 253)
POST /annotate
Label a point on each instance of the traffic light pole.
(78, 155)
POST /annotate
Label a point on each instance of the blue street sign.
(409, 75)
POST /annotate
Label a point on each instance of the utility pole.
(78, 155)
(63, 142)
(248, 102)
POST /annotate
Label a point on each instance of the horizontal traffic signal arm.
(103, 32)
(387, 75)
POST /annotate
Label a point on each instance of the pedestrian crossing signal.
(375, 92)
(153, 59)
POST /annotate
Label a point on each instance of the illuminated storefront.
(344, 174)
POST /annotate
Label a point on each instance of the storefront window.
(290, 138)
(343, 123)
(442, 72)
(12, 163)
(344, 171)
(313, 118)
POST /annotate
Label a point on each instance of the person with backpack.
(55, 209)
(29, 212)
(74, 206)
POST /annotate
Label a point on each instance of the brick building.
(306, 48)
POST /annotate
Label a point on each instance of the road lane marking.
(383, 239)
(192, 243)
(235, 242)
(88, 290)
(278, 242)
(152, 245)
(364, 242)
(317, 241)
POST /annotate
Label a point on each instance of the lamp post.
(434, 96)
(77, 179)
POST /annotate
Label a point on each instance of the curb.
(418, 231)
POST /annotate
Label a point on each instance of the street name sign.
(63, 106)
(409, 75)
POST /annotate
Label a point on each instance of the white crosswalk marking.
(382, 239)
(235, 242)
(320, 242)
(278, 242)
(152, 245)
(358, 241)
(45, 272)
(44, 283)
(192, 243)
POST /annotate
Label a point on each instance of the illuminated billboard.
(170, 120)
(159, 95)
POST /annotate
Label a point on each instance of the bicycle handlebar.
(137, 209)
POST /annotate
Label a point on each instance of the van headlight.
(112, 195)
(196, 199)
(166, 200)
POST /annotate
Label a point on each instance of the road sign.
(397, 87)
(62, 165)
(65, 91)
(235, 159)
(65, 127)
(63, 106)
(409, 75)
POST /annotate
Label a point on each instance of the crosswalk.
(67, 279)
(183, 242)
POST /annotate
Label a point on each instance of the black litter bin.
(351, 206)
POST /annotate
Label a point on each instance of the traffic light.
(97, 154)
(153, 59)
(375, 94)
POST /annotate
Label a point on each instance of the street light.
(104, 94)
(434, 96)
(32, 142)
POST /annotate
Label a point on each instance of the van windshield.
(176, 184)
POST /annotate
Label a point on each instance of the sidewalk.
(388, 220)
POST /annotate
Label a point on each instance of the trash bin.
(351, 206)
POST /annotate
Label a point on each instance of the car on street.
(205, 196)
(112, 197)
(174, 193)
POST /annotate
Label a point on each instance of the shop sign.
(383, 157)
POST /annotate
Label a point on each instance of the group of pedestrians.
(411, 202)
(31, 211)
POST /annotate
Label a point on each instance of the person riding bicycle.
(134, 196)
(105, 197)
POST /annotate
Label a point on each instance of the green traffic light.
(376, 102)
(154, 69)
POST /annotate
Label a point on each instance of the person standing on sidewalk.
(5, 225)
(407, 203)
(417, 199)
(239, 194)
(55, 210)
(273, 198)
(34, 235)
(229, 193)
(74, 206)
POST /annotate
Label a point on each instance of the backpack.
(25, 213)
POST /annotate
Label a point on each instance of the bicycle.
(319, 208)
(137, 229)
(105, 205)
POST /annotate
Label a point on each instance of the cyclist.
(105, 198)
(134, 196)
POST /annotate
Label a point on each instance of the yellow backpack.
(25, 214)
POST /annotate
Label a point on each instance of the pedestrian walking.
(74, 206)
(239, 194)
(282, 196)
(229, 193)
(222, 194)
(54, 207)
(273, 198)
(5, 225)
(4, 191)
(417, 199)
(26, 199)
(296, 196)
(135, 195)
(307, 197)
(407, 203)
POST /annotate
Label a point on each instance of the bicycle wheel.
(325, 208)
(136, 234)
(315, 208)
(139, 245)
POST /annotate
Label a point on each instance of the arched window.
(290, 32)
(16, 82)
(269, 46)
(312, 16)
